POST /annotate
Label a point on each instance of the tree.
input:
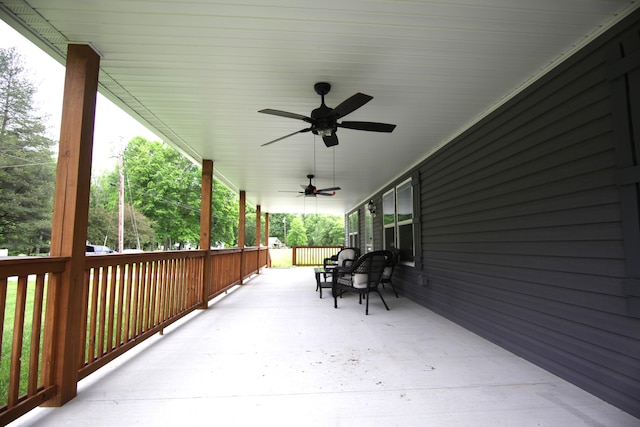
(103, 217)
(103, 228)
(296, 233)
(163, 189)
(27, 167)
(250, 226)
(276, 225)
(224, 215)
(321, 230)
(324, 230)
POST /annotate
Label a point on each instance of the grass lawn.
(281, 258)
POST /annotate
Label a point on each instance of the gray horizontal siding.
(522, 232)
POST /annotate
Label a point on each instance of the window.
(368, 230)
(398, 223)
(404, 220)
(353, 230)
(389, 219)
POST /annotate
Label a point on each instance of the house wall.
(529, 232)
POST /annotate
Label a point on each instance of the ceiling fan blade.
(329, 189)
(370, 126)
(286, 136)
(350, 104)
(286, 114)
(330, 140)
(324, 194)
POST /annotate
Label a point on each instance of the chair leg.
(383, 301)
(394, 288)
(366, 311)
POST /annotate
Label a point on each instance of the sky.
(112, 125)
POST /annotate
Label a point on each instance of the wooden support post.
(69, 227)
(241, 224)
(241, 218)
(205, 228)
(266, 236)
(258, 225)
(258, 214)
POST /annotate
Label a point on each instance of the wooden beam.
(258, 224)
(266, 229)
(258, 214)
(241, 224)
(205, 204)
(205, 227)
(70, 217)
(241, 218)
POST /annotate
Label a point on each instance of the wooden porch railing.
(127, 298)
(23, 283)
(312, 255)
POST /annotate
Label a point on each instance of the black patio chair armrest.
(347, 263)
(330, 262)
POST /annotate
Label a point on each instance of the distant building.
(275, 243)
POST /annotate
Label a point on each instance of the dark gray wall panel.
(524, 239)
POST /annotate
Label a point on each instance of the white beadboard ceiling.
(197, 72)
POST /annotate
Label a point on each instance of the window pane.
(389, 237)
(368, 232)
(353, 222)
(405, 242)
(354, 240)
(389, 208)
(405, 202)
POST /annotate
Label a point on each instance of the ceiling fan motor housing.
(324, 120)
(324, 124)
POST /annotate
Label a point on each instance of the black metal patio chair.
(362, 277)
(344, 258)
(388, 271)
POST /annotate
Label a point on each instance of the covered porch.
(271, 352)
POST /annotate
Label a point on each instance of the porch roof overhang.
(196, 73)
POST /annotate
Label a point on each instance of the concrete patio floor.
(272, 353)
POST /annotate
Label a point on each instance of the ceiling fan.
(324, 120)
(311, 191)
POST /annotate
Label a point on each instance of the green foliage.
(250, 226)
(320, 230)
(224, 215)
(165, 187)
(325, 230)
(162, 193)
(103, 228)
(296, 232)
(27, 167)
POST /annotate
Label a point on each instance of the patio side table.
(321, 279)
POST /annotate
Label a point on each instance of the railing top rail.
(20, 266)
(94, 261)
(254, 248)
